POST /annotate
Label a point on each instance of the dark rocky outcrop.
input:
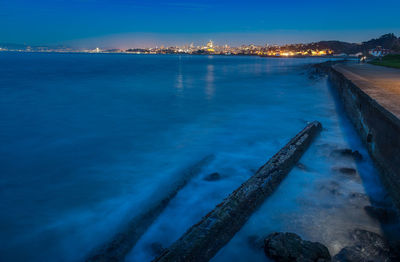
(369, 246)
(384, 215)
(203, 240)
(346, 152)
(287, 247)
(213, 177)
(353, 254)
(345, 170)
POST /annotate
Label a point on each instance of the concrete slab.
(381, 83)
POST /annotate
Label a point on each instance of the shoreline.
(176, 54)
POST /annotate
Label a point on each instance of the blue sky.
(123, 23)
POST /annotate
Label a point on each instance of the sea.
(89, 141)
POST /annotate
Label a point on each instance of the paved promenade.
(380, 83)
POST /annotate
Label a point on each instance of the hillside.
(387, 41)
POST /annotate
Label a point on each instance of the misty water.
(89, 141)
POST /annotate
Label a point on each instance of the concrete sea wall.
(378, 127)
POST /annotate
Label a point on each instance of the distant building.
(210, 46)
(379, 51)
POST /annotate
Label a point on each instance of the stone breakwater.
(203, 240)
(370, 101)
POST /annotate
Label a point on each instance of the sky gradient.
(123, 23)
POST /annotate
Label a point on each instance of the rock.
(368, 238)
(290, 247)
(357, 195)
(346, 152)
(382, 214)
(345, 170)
(369, 246)
(351, 254)
(358, 200)
(332, 187)
(213, 177)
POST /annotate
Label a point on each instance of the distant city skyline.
(127, 24)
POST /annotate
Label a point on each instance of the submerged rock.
(345, 170)
(352, 254)
(369, 246)
(290, 247)
(382, 214)
(358, 195)
(358, 200)
(332, 187)
(213, 177)
(347, 152)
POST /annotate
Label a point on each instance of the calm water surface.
(87, 141)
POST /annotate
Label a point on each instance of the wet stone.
(346, 152)
(290, 247)
(332, 187)
(352, 254)
(357, 195)
(369, 246)
(345, 170)
(213, 177)
(358, 200)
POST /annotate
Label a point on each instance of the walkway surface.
(381, 83)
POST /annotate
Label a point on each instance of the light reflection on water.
(209, 89)
(179, 78)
